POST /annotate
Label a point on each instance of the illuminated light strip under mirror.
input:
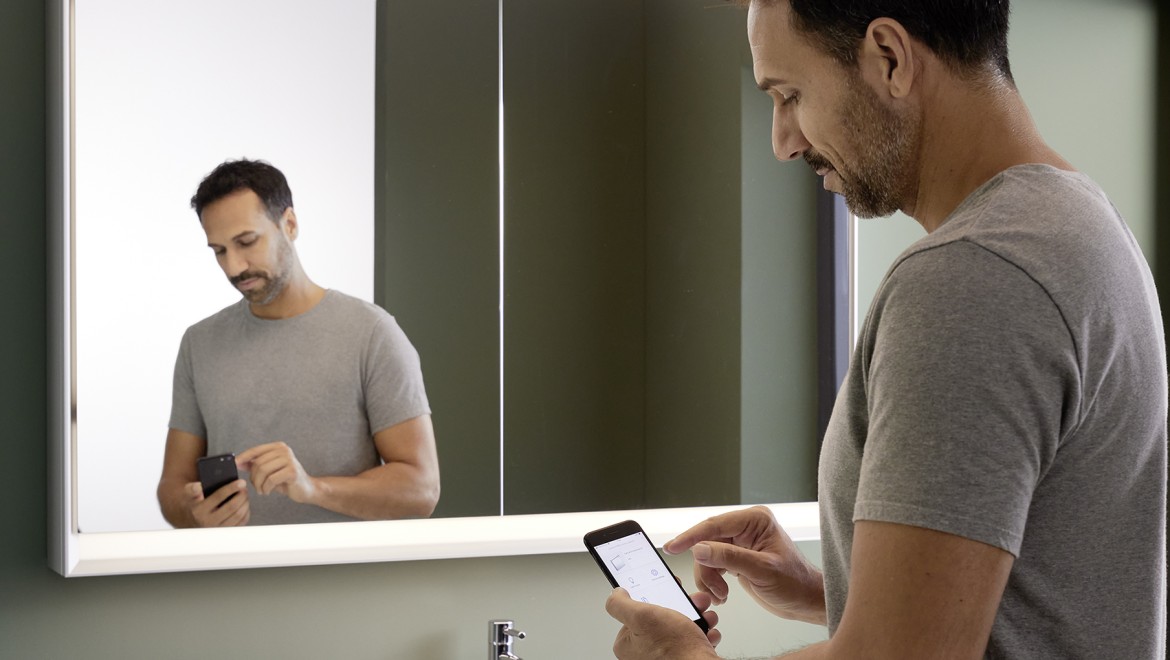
(674, 210)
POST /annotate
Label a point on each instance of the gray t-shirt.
(1009, 386)
(324, 382)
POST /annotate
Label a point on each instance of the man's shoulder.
(342, 301)
(344, 308)
(1050, 223)
(230, 314)
(1029, 201)
(357, 322)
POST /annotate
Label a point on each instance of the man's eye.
(247, 243)
(790, 99)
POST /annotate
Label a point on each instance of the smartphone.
(215, 472)
(629, 560)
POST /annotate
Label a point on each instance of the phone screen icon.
(640, 571)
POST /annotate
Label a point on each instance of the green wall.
(574, 246)
(778, 461)
(438, 264)
(715, 369)
(658, 268)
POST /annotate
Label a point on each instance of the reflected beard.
(262, 295)
(274, 284)
(877, 183)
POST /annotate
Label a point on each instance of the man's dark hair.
(258, 176)
(966, 34)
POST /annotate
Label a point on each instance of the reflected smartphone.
(215, 472)
(629, 560)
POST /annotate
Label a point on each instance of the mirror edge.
(117, 553)
(62, 541)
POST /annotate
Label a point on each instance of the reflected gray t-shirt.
(324, 382)
(1009, 386)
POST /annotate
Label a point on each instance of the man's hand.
(274, 468)
(405, 485)
(180, 495)
(650, 631)
(752, 546)
(217, 510)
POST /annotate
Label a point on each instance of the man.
(318, 394)
(993, 479)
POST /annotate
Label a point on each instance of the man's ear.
(288, 223)
(887, 58)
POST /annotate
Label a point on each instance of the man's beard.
(274, 284)
(875, 184)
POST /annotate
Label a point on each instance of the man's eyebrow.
(234, 238)
(769, 83)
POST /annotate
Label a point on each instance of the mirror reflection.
(163, 93)
(648, 316)
(316, 395)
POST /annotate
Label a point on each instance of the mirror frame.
(72, 553)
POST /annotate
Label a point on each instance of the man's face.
(254, 252)
(827, 114)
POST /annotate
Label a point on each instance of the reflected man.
(319, 394)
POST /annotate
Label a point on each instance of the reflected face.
(828, 115)
(254, 252)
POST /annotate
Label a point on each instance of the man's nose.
(234, 263)
(788, 142)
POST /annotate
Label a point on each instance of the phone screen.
(631, 562)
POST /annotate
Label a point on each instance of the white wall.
(162, 96)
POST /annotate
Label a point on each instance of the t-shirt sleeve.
(971, 382)
(185, 413)
(393, 378)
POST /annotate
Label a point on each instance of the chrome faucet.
(500, 637)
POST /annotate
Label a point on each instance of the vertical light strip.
(500, 93)
(70, 120)
(852, 248)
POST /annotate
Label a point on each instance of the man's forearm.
(818, 651)
(171, 500)
(387, 492)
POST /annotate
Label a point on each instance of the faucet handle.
(518, 634)
(501, 633)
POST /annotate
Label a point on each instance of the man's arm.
(405, 486)
(180, 496)
(917, 593)
(913, 593)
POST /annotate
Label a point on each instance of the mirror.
(639, 283)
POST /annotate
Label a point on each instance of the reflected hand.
(274, 468)
(217, 510)
(752, 546)
(651, 631)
